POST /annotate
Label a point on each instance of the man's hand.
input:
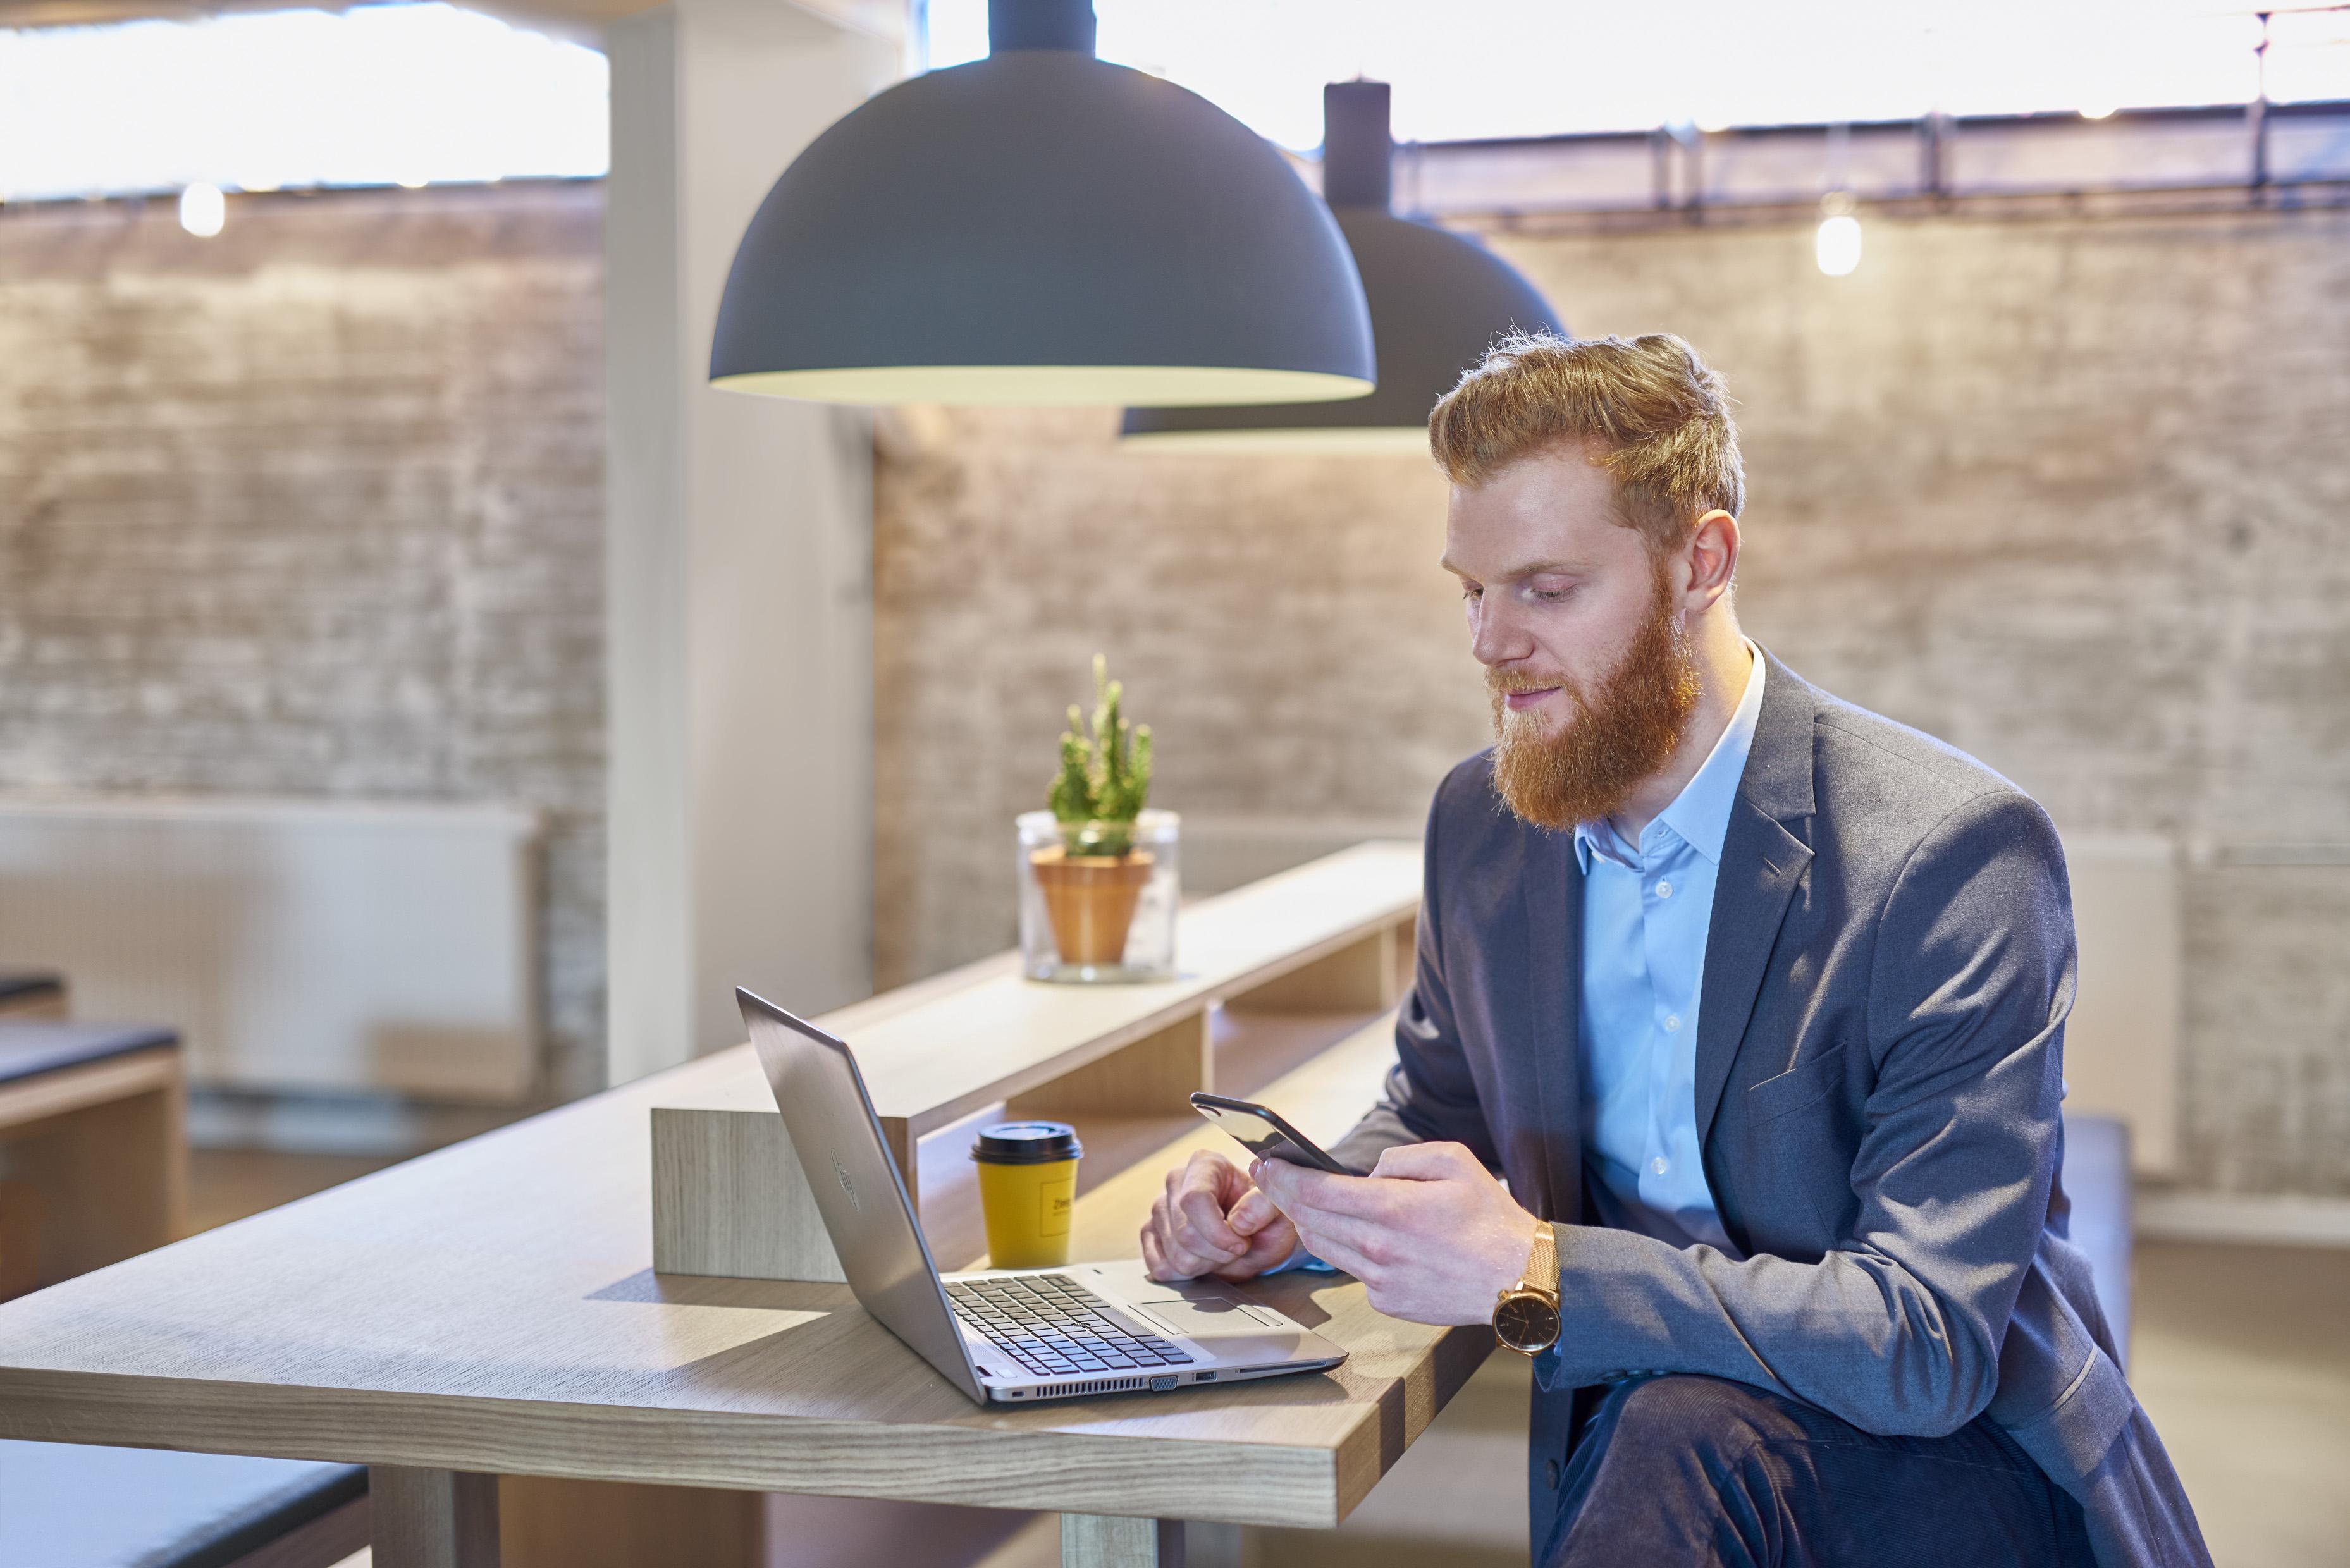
(1212, 1219)
(1430, 1232)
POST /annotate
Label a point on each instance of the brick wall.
(2069, 494)
(315, 508)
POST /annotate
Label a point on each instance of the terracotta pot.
(1091, 901)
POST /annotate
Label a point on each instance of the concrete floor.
(225, 1184)
(2242, 1357)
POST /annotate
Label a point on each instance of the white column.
(738, 554)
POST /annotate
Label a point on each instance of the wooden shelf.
(1330, 940)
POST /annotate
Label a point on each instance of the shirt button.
(1550, 1474)
(1660, 1164)
(1672, 1023)
(1664, 889)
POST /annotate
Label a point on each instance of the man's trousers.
(1679, 1470)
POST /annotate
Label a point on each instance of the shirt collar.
(1699, 815)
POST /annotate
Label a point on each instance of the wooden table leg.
(1107, 1540)
(434, 1518)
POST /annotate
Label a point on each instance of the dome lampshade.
(1042, 227)
(1438, 300)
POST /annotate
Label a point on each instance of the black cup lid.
(1026, 1143)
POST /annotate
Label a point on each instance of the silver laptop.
(1001, 1333)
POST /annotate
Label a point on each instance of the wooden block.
(434, 1518)
(1154, 1075)
(28, 1006)
(729, 1198)
(898, 1133)
(545, 1522)
(112, 1176)
(20, 1238)
(1106, 1540)
(1360, 976)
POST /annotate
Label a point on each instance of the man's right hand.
(1212, 1219)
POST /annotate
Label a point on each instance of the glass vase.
(1094, 918)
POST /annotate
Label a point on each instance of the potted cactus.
(1093, 858)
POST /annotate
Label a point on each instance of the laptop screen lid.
(857, 1185)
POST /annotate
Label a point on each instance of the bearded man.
(1757, 1000)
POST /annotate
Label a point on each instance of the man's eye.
(1549, 595)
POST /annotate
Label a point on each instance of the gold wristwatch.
(1525, 1316)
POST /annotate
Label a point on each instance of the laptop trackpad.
(1212, 1318)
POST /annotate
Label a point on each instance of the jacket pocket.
(1805, 1084)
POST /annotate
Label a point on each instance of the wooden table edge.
(40, 1095)
(1281, 1484)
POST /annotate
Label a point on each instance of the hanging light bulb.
(202, 209)
(1836, 246)
(1042, 227)
(1437, 301)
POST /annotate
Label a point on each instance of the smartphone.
(1264, 1134)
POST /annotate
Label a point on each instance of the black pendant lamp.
(1438, 299)
(1042, 227)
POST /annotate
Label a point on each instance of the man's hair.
(1648, 411)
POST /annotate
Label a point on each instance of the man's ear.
(1712, 551)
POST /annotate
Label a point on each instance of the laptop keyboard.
(1050, 1324)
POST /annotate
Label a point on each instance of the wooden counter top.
(493, 1308)
(490, 1307)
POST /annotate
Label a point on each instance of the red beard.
(1587, 768)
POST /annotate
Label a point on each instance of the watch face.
(1525, 1322)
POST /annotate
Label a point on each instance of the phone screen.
(1263, 1133)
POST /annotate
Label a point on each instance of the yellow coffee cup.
(1027, 1191)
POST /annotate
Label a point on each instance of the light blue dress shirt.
(1645, 910)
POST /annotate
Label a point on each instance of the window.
(258, 100)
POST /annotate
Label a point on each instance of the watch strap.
(1542, 1262)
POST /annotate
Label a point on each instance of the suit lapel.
(1552, 884)
(1761, 862)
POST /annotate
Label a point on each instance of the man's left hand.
(1431, 1234)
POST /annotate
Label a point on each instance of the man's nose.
(1495, 637)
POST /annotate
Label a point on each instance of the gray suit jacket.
(1879, 1054)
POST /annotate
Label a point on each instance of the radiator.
(296, 945)
(2122, 1041)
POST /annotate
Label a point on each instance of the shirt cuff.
(1301, 1259)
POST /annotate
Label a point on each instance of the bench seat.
(66, 1505)
(29, 1049)
(32, 994)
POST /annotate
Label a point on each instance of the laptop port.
(1203, 1378)
(1162, 1382)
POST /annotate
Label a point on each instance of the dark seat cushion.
(2098, 1180)
(30, 1048)
(65, 1505)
